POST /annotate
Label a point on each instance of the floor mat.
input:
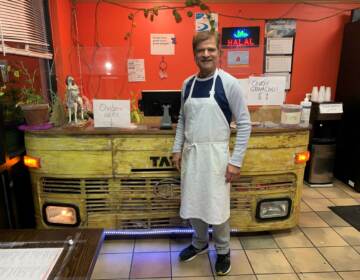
(351, 214)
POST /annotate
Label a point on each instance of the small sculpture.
(73, 99)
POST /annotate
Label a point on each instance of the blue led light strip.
(158, 231)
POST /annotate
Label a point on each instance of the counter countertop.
(263, 128)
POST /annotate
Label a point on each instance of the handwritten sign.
(266, 90)
(111, 113)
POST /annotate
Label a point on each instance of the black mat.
(351, 214)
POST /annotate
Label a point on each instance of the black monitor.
(152, 101)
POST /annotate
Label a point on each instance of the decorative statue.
(73, 99)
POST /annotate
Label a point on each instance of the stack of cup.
(328, 94)
(315, 94)
(322, 94)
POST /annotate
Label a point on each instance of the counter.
(123, 178)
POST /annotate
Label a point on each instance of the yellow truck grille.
(153, 202)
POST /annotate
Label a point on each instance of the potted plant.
(19, 90)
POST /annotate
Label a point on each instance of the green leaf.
(17, 74)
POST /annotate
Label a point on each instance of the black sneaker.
(223, 265)
(190, 252)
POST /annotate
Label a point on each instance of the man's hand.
(232, 171)
(176, 159)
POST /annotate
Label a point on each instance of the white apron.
(204, 193)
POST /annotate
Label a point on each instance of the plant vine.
(152, 13)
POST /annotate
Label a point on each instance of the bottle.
(305, 110)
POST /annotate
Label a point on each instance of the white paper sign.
(266, 90)
(238, 58)
(29, 264)
(136, 70)
(285, 74)
(331, 108)
(162, 44)
(111, 113)
(279, 45)
(278, 63)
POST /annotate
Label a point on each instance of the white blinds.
(22, 28)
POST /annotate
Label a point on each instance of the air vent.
(94, 205)
(96, 186)
(151, 223)
(55, 185)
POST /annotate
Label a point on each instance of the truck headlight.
(275, 208)
(59, 214)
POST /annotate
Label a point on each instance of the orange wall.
(61, 29)
(315, 61)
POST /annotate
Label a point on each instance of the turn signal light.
(32, 162)
(302, 157)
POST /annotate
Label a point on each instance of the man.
(201, 150)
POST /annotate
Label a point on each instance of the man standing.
(201, 150)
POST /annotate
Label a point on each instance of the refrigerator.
(347, 163)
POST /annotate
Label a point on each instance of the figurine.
(73, 99)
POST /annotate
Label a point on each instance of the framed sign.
(240, 37)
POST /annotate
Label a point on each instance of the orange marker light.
(32, 162)
(302, 157)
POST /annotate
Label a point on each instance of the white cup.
(315, 94)
(321, 94)
(328, 94)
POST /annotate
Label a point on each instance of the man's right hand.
(176, 159)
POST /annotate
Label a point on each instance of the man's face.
(207, 56)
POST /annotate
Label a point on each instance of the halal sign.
(240, 37)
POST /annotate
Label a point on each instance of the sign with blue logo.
(240, 37)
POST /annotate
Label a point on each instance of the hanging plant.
(151, 13)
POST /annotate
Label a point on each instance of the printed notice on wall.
(136, 70)
(281, 63)
(266, 91)
(238, 58)
(279, 45)
(111, 113)
(29, 263)
(162, 44)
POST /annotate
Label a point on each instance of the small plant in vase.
(31, 101)
(18, 91)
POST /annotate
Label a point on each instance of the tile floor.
(322, 247)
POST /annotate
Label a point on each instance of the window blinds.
(22, 28)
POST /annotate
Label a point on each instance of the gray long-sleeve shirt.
(231, 100)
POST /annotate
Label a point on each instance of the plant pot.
(36, 114)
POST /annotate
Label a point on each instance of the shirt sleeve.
(180, 128)
(241, 115)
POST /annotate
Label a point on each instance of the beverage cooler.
(322, 145)
(347, 165)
